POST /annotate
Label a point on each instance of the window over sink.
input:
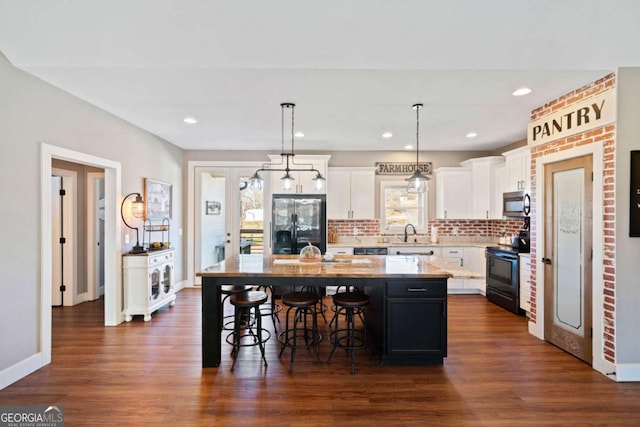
(398, 207)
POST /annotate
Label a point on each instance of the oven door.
(502, 272)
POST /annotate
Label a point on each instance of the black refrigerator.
(297, 220)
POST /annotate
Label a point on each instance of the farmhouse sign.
(586, 115)
(402, 168)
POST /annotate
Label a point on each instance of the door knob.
(546, 261)
(228, 241)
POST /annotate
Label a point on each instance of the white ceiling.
(353, 67)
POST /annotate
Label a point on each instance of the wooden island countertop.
(381, 266)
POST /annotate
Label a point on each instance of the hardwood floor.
(138, 373)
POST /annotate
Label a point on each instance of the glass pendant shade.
(255, 182)
(287, 181)
(319, 181)
(418, 183)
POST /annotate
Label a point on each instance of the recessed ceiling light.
(299, 134)
(387, 135)
(472, 135)
(521, 91)
(190, 120)
(408, 147)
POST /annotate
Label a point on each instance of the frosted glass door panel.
(568, 214)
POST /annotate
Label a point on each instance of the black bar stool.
(271, 308)
(302, 303)
(350, 305)
(227, 291)
(246, 326)
(334, 307)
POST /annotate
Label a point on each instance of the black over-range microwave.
(516, 204)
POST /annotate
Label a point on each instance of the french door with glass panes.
(228, 215)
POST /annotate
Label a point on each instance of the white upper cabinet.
(518, 169)
(350, 193)
(483, 188)
(453, 193)
(499, 185)
(303, 182)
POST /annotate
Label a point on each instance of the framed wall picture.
(634, 206)
(158, 199)
(212, 208)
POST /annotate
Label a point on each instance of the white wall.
(31, 113)
(627, 248)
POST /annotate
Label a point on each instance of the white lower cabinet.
(148, 283)
(415, 250)
(470, 258)
(525, 282)
(340, 250)
(455, 256)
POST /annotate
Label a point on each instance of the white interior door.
(63, 236)
(95, 235)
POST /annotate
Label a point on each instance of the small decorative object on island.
(310, 253)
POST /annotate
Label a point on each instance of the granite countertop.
(343, 266)
(374, 266)
(454, 269)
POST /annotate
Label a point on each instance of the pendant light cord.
(417, 108)
(417, 134)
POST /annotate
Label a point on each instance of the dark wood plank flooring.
(140, 373)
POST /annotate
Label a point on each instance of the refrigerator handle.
(294, 229)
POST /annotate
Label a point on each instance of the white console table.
(148, 283)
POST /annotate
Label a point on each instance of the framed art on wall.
(158, 199)
(212, 208)
(634, 205)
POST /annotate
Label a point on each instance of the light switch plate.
(126, 238)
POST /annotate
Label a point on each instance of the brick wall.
(446, 228)
(606, 135)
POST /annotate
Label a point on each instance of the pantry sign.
(586, 115)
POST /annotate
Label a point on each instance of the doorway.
(228, 214)
(567, 255)
(112, 260)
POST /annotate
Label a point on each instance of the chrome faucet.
(405, 232)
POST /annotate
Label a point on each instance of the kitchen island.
(407, 314)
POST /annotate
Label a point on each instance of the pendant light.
(418, 183)
(287, 160)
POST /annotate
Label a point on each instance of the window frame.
(422, 208)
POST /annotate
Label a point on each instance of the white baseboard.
(627, 372)
(20, 370)
(80, 298)
(181, 285)
(536, 330)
